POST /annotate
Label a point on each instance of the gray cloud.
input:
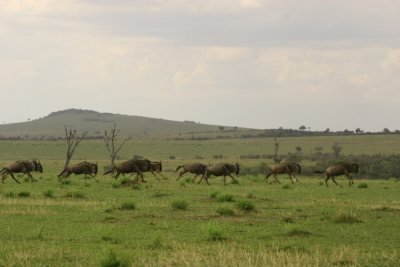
(247, 63)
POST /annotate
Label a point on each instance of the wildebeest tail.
(110, 170)
(178, 168)
(62, 172)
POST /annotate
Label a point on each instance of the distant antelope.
(22, 166)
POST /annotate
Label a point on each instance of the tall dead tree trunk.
(110, 139)
(73, 141)
(277, 159)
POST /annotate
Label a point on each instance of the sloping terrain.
(96, 123)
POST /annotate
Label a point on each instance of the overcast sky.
(249, 63)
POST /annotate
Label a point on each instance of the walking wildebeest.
(137, 166)
(86, 168)
(22, 166)
(341, 168)
(225, 169)
(196, 168)
(284, 168)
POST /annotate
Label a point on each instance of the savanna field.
(164, 222)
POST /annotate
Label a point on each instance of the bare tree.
(277, 159)
(110, 139)
(73, 141)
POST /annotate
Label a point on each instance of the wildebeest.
(284, 168)
(222, 169)
(137, 166)
(86, 168)
(195, 168)
(341, 168)
(22, 166)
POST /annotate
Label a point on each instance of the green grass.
(308, 225)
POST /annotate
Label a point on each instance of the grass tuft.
(111, 260)
(179, 205)
(75, 194)
(24, 194)
(225, 198)
(128, 206)
(48, 193)
(362, 185)
(295, 231)
(346, 218)
(225, 211)
(245, 205)
(214, 232)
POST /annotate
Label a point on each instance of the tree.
(358, 131)
(302, 128)
(72, 142)
(336, 147)
(110, 139)
(277, 159)
(386, 130)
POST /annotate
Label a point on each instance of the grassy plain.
(177, 223)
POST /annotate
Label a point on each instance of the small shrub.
(111, 260)
(75, 194)
(362, 185)
(128, 206)
(346, 218)
(179, 204)
(24, 194)
(214, 232)
(48, 193)
(225, 198)
(245, 205)
(225, 211)
(182, 183)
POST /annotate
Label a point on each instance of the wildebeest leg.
(233, 178)
(326, 180)
(156, 175)
(116, 176)
(350, 179)
(333, 179)
(182, 173)
(291, 178)
(266, 178)
(201, 179)
(31, 177)
(194, 178)
(12, 175)
(276, 178)
(94, 177)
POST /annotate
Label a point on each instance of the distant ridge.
(52, 125)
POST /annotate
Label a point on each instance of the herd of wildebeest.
(139, 166)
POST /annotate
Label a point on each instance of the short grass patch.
(129, 205)
(245, 205)
(349, 218)
(224, 211)
(179, 204)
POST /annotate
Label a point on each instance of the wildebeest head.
(37, 166)
(156, 166)
(237, 168)
(94, 168)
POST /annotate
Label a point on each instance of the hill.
(52, 126)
